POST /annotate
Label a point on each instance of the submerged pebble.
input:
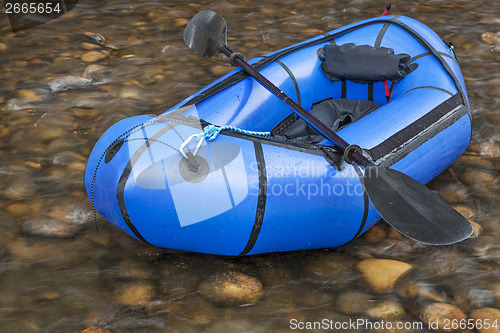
(353, 303)
(443, 314)
(386, 310)
(68, 82)
(231, 288)
(93, 56)
(134, 294)
(491, 38)
(47, 227)
(20, 188)
(486, 315)
(382, 274)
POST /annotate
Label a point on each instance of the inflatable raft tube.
(252, 194)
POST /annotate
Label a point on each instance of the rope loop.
(210, 132)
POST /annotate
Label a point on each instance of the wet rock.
(95, 38)
(439, 314)
(477, 178)
(133, 270)
(17, 104)
(95, 329)
(73, 213)
(24, 249)
(465, 212)
(3, 47)
(64, 159)
(134, 294)
(487, 248)
(91, 70)
(20, 188)
(374, 235)
(475, 161)
(232, 288)
(382, 274)
(29, 95)
(386, 310)
(353, 303)
(490, 150)
(47, 227)
(486, 315)
(454, 194)
(220, 70)
(476, 229)
(93, 57)
(68, 82)
(181, 22)
(421, 292)
(4, 132)
(491, 38)
(90, 46)
(130, 93)
(331, 271)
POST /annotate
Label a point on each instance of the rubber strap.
(261, 200)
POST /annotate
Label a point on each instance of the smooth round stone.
(67, 82)
(436, 315)
(487, 248)
(20, 188)
(465, 212)
(477, 229)
(78, 213)
(491, 38)
(490, 150)
(4, 131)
(131, 93)
(29, 95)
(24, 249)
(93, 56)
(486, 315)
(455, 194)
(91, 70)
(353, 303)
(418, 292)
(475, 162)
(232, 288)
(47, 227)
(478, 178)
(134, 294)
(382, 274)
(386, 310)
(374, 235)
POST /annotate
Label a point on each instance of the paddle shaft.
(309, 118)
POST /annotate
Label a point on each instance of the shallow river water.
(58, 95)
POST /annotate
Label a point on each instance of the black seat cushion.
(334, 113)
(363, 63)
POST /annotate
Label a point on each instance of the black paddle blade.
(414, 210)
(206, 33)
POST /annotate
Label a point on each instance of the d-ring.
(200, 141)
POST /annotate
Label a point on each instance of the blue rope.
(210, 132)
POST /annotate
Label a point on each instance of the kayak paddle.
(406, 204)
